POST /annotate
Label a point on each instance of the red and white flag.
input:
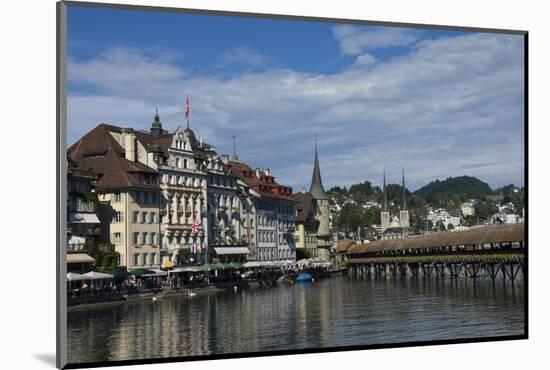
(195, 227)
(187, 108)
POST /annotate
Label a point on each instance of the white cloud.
(242, 56)
(365, 60)
(449, 107)
(355, 40)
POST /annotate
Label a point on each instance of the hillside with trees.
(359, 205)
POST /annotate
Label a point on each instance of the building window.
(118, 217)
(143, 217)
(135, 238)
(185, 163)
(135, 216)
(144, 236)
(116, 238)
(145, 261)
(154, 238)
(117, 197)
(136, 259)
(177, 162)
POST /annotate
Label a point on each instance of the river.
(327, 313)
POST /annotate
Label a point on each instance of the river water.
(327, 313)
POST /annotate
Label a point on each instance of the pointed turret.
(385, 214)
(404, 192)
(316, 189)
(156, 126)
(385, 203)
(404, 217)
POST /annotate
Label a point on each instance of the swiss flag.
(187, 108)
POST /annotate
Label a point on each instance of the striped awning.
(231, 250)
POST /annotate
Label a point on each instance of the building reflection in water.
(326, 313)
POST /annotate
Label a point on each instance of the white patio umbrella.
(73, 276)
(94, 275)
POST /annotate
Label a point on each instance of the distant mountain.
(465, 186)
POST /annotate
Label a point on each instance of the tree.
(350, 218)
(485, 208)
(505, 200)
(450, 227)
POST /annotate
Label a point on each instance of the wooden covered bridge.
(493, 251)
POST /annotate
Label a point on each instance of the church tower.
(322, 204)
(404, 212)
(385, 214)
(156, 126)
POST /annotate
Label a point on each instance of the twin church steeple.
(385, 219)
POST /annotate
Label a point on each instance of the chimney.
(257, 172)
(266, 170)
(303, 190)
(130, 146)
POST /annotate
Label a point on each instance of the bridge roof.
(482, 235)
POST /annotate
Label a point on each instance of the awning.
(83, 218)
(186, 269)
(72, 276)
(77, 240)
(231, 250)
(142, 272)
(94, 275)
(79, 258)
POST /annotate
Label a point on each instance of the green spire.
(156, 126)
(316, 189)
(385, 204)
(404, 192)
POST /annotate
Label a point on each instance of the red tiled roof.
(265, 185)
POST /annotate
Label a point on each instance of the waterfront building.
(272, 206)
(228, 239)
(313, 215)
(82, 222)
(183, 173)
(128, 192)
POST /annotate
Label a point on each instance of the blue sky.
(440, 103)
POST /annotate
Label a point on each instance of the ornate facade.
(183, 201)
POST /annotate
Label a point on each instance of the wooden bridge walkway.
(494, 252)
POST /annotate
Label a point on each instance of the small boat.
(285, 279)
(304, 278)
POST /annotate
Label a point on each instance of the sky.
(438, 103)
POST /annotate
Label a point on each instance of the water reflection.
(332, 312)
